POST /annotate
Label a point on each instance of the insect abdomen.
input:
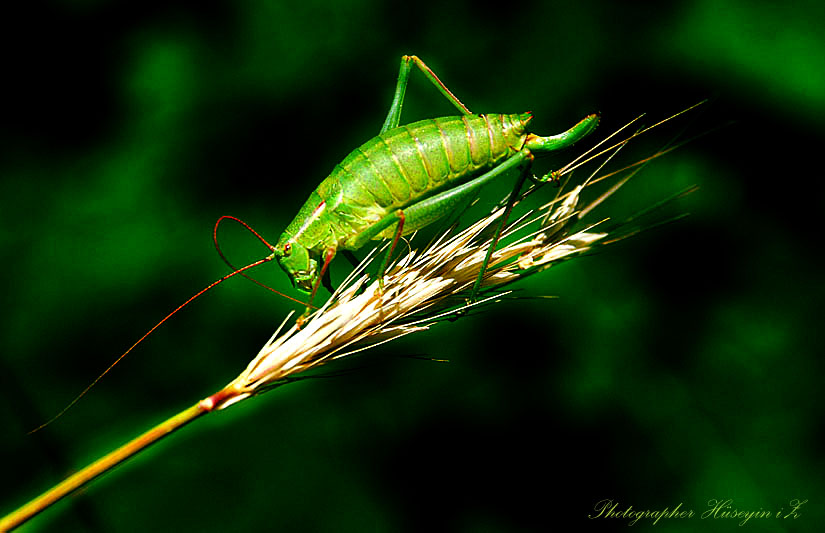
(410, 162)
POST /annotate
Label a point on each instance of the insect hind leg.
(394, 116)
(511, 202)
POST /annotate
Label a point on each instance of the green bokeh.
(682, 365)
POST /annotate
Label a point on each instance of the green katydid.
(398, 182)
(408, 177)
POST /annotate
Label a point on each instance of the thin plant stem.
(102, 465)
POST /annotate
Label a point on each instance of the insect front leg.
(397, 217)
(394, 116)
(323, 276)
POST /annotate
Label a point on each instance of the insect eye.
(287, 248)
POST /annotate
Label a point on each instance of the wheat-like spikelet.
(421, 288)
(434, 283)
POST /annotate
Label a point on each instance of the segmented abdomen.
(412, 162)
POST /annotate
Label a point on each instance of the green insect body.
(392, 171)
(406, 178)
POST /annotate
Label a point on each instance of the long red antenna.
(260, 238)
(156, 326)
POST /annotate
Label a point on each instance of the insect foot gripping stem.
(554, 177)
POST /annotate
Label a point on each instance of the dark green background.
(681, 366)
